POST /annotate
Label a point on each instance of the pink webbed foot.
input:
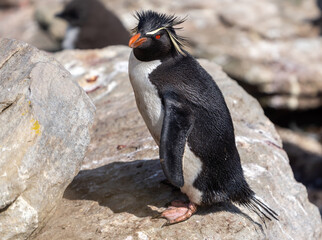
(178, 212)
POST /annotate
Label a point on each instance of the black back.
(212, 136)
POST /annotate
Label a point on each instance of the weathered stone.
(120, 187)
(45, 119)
(305, 156)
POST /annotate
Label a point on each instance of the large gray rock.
(120, 187)
(45, 119)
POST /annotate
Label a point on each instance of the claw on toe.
(178, 212)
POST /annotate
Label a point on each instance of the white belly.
(192, 166)
(146, 95)
(70, 38)
(150, 107)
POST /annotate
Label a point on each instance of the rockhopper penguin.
(187, 116)
(91, 25)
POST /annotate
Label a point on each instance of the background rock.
(44, 15)
(44, 132)
(19, 23)
(10, 3)
(306, 161)
(266, 45)
(119, 188)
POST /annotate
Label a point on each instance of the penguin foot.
(178, 212)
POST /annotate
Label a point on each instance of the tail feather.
(270, 211)
(261, 209)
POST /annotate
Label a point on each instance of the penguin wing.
(176, 127)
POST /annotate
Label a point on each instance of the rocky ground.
(270, 47)
(120, 187)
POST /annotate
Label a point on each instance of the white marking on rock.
(119, 67)
(280, 156)
(74, 68)
(253, 170)
(70, 38)
(110, 88)
(146, 94)
(159, 172)
(283, 231)
(293, 199)
(28, 214)
(142, 236)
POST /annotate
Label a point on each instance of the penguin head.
(75, 12)
(155, 38)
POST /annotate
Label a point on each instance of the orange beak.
(136, 41)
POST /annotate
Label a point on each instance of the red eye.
(157, 36)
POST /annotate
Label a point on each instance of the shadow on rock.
(306, 165)
(134, 187)
(137, 187)
(230, 207)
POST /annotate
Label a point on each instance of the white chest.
(70, 37)
(150, 107)
(146, 94)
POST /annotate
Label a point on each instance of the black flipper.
(176, 127)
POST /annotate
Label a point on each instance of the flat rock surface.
(120, 187)
(45, 119)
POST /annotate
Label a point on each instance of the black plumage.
(195, 116)
(319, 4)
(99, 27)
(318, 21)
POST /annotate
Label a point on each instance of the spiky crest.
(153, 22)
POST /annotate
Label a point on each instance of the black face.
(75, 12)
(156, 47)
(72, 17)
